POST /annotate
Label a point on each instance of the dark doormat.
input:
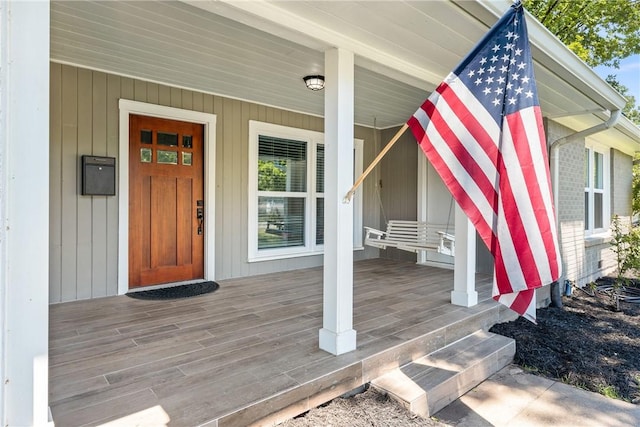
(175, 292)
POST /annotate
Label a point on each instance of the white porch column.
(464, 271)
(337, 335)
(24, 212)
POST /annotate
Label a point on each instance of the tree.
(600, 32)
(271, 175)
(630, 109)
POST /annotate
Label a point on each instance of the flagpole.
(349, 195)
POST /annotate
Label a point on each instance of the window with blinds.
(282, 192)
(286, 192)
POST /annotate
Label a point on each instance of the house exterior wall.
(586, 258)
(398, 180)
(570, 202)
(84, 229)
(621, 167)
(599, 258)
(83, 261)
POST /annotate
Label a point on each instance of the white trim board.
(128, 107)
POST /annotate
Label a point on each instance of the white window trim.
(590, 231)
(314, 138)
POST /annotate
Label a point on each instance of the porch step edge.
(428, 384)
(411, 347)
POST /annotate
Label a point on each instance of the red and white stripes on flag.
(482, 131)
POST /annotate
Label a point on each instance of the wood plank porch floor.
(209, 359)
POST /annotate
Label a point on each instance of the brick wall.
(570, 203)
(584, 260)
(621, 166)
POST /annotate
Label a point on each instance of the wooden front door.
(166, 201)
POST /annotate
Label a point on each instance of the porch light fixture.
(314, 82)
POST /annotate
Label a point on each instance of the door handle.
(200, 216)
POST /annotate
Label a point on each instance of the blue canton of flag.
(499, 71)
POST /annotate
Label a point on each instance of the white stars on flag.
(499, 75)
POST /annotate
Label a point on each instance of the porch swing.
(412, 236)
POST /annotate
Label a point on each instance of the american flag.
(482, 131)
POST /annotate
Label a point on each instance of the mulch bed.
(592, 343)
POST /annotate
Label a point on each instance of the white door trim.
(128, 107)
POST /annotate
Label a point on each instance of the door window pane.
(282, 164)
(146, 136)
(186, 158)
(281, 222)
(187, 141)
(145, 155)
(168, 139)
(167, 157)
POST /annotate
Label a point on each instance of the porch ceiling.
(259, 51)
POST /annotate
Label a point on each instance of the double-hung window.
(286, 192)
(596, 193)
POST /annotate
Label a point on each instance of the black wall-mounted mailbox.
(98, 176)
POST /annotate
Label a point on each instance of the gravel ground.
(368, 409)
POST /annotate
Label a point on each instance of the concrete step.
(376, 356)
(428, 384)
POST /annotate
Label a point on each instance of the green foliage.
(601, 32)
(609, 391)
(626, 245)
(635, 186)
(630, 110)
(271, 175)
